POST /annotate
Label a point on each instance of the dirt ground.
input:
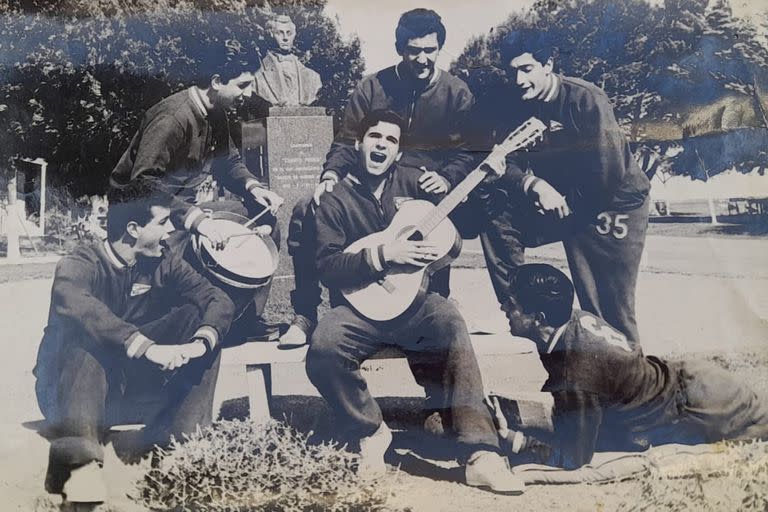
(697, 297)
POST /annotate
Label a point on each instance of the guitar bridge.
(387, 285)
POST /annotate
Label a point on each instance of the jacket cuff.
(193, 218)
(252, 183)
(377, 258)
(137, 345)
(528, 182)
(209, 334)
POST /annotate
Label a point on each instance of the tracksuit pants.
(434, 338)
(86, 388)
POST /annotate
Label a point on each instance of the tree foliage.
(653, 60)
(76, 76)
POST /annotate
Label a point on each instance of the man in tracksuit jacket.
(608, 397)
(365, 202)
(588, 189)
(128, 319)
(434, 104)
(183, 148)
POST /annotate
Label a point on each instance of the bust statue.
(282, 79)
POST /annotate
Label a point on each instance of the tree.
(77, 75)
(653, 61)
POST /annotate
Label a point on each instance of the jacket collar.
(198, 101)
(554, 91)
(556, 337)
(432, 80)
(113, 257)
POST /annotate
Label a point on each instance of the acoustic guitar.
(403, 287)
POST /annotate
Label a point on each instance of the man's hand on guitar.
(409, 252)
(432, 183)
(548, 199)
(495, 164)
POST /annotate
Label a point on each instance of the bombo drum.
(247, 261)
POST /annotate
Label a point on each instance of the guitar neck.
(521, 137)
(451, 201)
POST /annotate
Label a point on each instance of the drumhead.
(246, 261)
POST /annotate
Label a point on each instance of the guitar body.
(403, 288)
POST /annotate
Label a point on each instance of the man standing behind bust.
(282, 79)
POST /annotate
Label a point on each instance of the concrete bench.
(257, 358)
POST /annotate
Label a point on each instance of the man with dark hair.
(580, 185)
(433, 103)
(365, 202)
(610, 397)
(183, 148)
(128, 320)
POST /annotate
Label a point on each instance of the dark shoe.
(264, 331)
(298, 332)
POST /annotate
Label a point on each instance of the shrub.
(239, 466)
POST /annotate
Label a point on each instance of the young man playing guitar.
(363, 203)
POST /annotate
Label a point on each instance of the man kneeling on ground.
(363, 203)
(128, 319)
(608, 397)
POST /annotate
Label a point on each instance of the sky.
(374, 21)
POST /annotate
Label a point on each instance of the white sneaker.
(86, 485)
(490, 471)
(372, 450)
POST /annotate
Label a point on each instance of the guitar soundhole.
(416, 236)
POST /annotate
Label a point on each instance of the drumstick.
(246, 234)
(248, 224)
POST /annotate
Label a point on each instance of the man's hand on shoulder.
(432, 183)
(328, 180)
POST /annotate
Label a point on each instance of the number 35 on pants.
(612, 224)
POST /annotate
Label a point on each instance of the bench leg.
(259, 391)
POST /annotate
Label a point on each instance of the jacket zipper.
(411, 110)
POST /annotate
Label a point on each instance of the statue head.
(283, 31)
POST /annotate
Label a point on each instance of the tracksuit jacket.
(177, 145)
(435, 115)
(349, 213)
(97, 297)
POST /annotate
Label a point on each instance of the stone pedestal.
(287, 150)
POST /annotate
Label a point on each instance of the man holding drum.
(183, 148)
